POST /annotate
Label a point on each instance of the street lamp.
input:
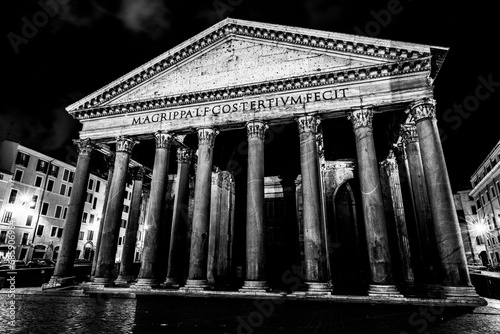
(481, 228)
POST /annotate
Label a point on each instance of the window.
(38, 181)
(58, 212)
(138, 235)
(34, 199)
(125, 208)
(494, 221)
(474, 210)
(42, 166)
(97, 186)
(65, 175)
(7, 216)
(60, 232)
(53, 231)
(89, 197)
(488, 241)
(50, 185)
(84, 217)
(91, 184)
(91, 220)
(39, 231)
(24, 240)
(45, 208)
(3, 236)
(29, 220)
(493, 193)
(69, 191)
(54, 170)
(94, 204)
(479, 240)
(493, 241)
(482, 200)
(478, 203)
(71, 176)
(13, 195)
(63, 189)
(80, 235)
(488, 195)
(90, 235)
(65, 212)
(18, 175)
(124, 223)
(498, 187)
(22, 159)
(119, 241)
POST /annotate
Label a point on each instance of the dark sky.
(84, 45)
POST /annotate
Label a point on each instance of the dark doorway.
(348, 257)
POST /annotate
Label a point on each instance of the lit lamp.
(481, 228)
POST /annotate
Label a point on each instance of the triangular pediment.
(238, 62)
(236, 53)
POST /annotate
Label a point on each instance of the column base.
(58, 282)
(145, 284)
(384, 291)
(124, 279)
(172, 283)
(317, 288)
(195, 285)
(254, 286)
(462, 293)
(103, 282)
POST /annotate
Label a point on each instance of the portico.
(317, 111)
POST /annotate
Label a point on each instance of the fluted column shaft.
(177, 252)
(128, 252)
(111, 229)
(69, 241)
(197, 277)
(422, 205)
(111, 166)
(450, 247)
(314, 249)
(255, 256)
(152, 237)
(371, 198)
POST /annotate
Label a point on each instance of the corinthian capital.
(163, 139)
(256, 129)
(124, 144)
(184, 155)
(409, 133)
(423, 109)
(361, 117)
(206, 136)
(84, 146)
(308, 123)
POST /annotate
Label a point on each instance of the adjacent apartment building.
(486, 194)
(34, 194)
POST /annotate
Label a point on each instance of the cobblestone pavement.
(101, 314)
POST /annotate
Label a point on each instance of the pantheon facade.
(271, 155)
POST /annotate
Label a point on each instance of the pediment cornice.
(398, 53)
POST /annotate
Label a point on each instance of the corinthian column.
(451, 254)
(314, 248)
(373, 208)
(65, 260)
(152, 237)
(255, 257)
(126, 274)
(111, 229)
(197, 278)
(178, 251)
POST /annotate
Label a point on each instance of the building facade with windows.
(486, 193)
(467, 217)
(34, 195)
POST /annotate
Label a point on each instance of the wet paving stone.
(153, 314)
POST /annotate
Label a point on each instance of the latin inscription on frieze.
(243, 106)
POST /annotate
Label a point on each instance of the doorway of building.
(348, 254)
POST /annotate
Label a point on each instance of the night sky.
(84, 45)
